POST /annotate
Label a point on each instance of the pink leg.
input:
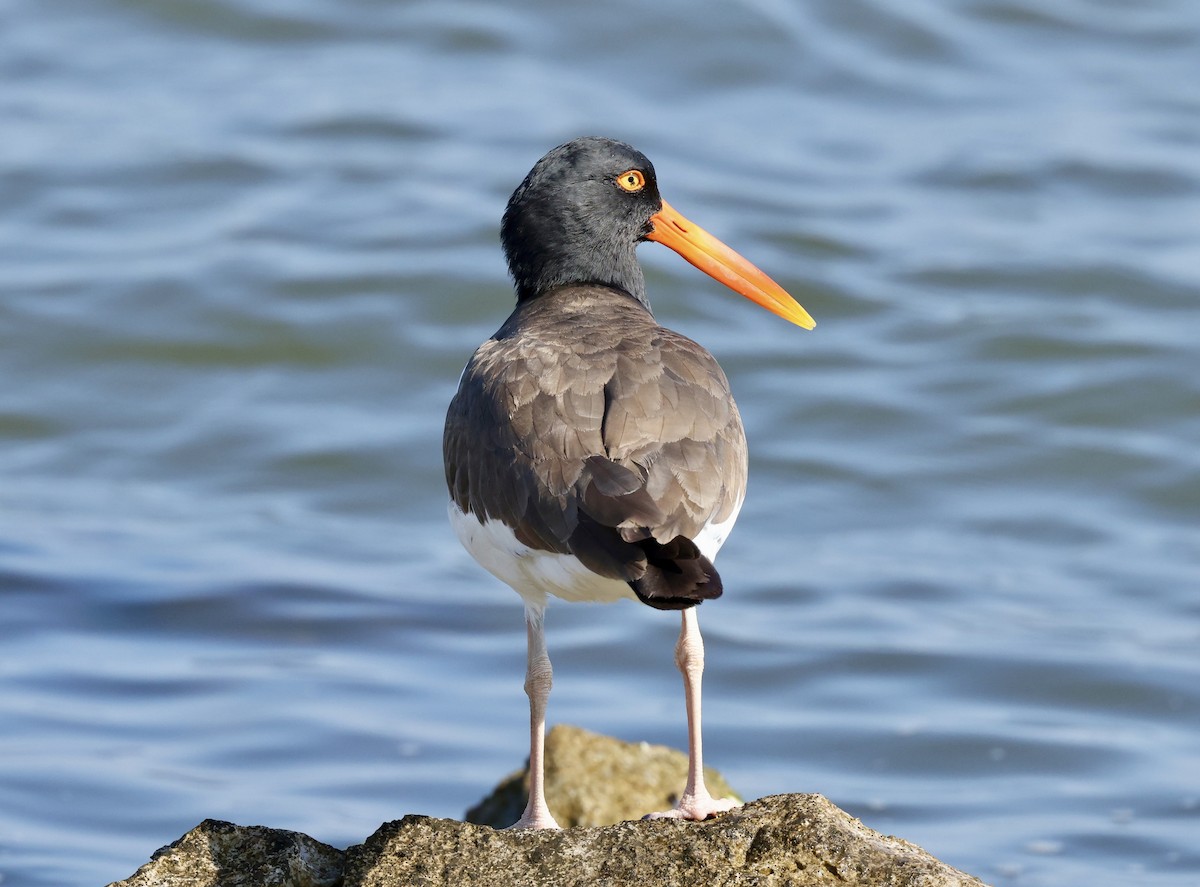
(696, 802)
(538, 678)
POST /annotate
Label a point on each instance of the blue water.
(246, 247)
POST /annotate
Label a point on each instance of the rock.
(221, 854)
(792, 840)
(597, 780)
(593, 782)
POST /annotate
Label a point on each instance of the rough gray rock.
(779, 841)
(792, 840)
(221, 854)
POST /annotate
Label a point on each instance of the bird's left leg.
(696, 802)
(538, 678)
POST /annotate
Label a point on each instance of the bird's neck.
(586, 268)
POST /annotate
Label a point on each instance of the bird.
(590, 453)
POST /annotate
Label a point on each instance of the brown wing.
(590, 430)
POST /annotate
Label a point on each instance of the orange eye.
(632, 180)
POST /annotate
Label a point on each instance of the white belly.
(535, 574)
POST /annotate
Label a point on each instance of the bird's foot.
(696, 806)
(536, 818)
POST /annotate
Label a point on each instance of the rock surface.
(792, 840)
(221, 854)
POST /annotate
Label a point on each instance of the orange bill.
(722, 264)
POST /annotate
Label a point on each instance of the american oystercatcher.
(590, 453)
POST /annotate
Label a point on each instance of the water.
(248, 245)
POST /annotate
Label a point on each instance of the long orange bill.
(721, 263)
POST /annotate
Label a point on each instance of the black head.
(578, 218)
(581, 212)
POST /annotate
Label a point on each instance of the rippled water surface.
(247, 245)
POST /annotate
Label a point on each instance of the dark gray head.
(578, 218)
(583, 209)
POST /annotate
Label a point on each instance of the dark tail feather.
(677, 575)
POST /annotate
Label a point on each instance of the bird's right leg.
(695, 802)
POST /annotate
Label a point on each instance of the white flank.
(531, 573)
(535, 574)
(712, 537)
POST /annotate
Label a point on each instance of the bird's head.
(579, 215)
